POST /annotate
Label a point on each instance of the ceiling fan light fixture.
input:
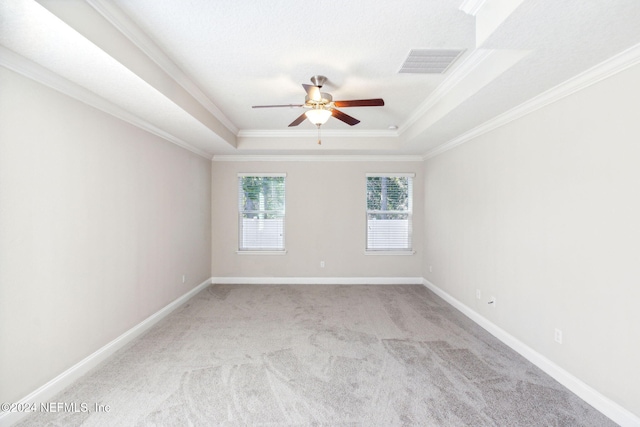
(318, 116)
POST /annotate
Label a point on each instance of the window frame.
(254, 250)
(409, 212)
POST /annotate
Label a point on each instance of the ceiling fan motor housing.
(318, 81)
(325, 98)
(322, 106)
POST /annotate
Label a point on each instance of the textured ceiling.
(244, 53)
(190, 71)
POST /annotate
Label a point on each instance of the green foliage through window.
(262, 196)
(389, 212)
(261, 210)
(387, 193)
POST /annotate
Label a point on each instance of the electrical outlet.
(321, 264)
(184, 278)
(557, 336)
(478, 294)
(431, 269)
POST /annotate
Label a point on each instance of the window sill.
(402, 253)
(261, 252)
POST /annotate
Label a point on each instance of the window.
(261, 212)
(389, 212)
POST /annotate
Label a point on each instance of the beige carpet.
(238, 355)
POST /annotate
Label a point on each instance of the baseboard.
(603, 404)
(606, 406)
(59, 383)
(318, 280)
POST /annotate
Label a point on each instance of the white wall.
(98, 222)
(544, 214)
(325, 221)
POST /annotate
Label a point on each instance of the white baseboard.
(603, 404)
(59, 383)
(318, 280)
(609, 408)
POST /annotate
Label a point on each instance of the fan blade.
(377, 102)
(313, 92)
(344, 117)
(299, 120)
(278, 106)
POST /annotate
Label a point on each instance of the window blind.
(261, 212)
(389, 212)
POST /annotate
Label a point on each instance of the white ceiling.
(190, 71)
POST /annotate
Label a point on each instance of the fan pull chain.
(319, 141)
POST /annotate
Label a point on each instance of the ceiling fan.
(321, 105)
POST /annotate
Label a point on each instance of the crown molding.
(472, 7)
(131, 31)
(329, 133)
(605, 69)
(316, 158)
(40, 74)
(475, 58)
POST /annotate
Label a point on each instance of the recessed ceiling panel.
(244, 53)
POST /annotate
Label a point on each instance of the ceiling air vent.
(429, 61)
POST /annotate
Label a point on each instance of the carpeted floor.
(239, 355)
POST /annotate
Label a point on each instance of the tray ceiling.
(190, 71)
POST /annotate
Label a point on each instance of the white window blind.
(261, 207)
(389, 212)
